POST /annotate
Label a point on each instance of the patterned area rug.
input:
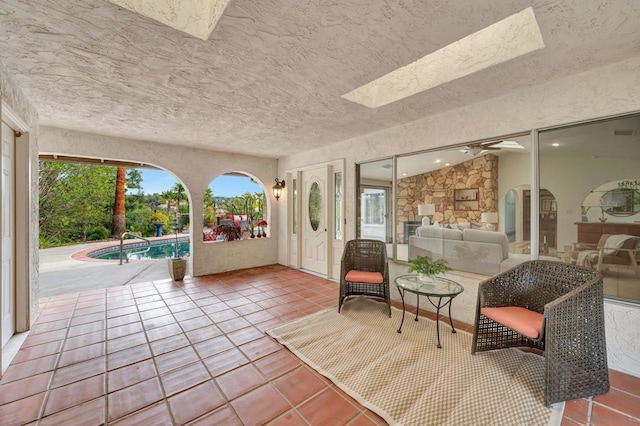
(406, 380)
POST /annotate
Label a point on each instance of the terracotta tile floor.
(194, 352)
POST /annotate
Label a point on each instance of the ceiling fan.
(476, 148)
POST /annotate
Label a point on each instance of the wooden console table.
(590, 232)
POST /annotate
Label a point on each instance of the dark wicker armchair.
(364, 271)
(557, 308)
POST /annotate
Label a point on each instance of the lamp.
(489, 218)
(277, 188)
(426, 210)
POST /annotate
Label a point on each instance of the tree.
(118, 224)
(75, 202)
(179, 193)
(208, 200)
(168, 197)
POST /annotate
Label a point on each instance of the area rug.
(406, 380)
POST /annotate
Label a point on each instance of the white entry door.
(7, 230)
(313, 203)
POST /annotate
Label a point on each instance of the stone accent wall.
(438, 187)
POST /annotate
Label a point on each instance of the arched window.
(234, 208)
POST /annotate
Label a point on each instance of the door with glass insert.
(314, 220)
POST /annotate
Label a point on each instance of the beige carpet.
(405, 379)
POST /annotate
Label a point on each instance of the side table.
(439, 288)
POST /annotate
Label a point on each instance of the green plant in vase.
(427, 267)
(177, 264)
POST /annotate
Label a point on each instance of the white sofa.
(473, 250)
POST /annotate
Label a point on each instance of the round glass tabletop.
(437, 287)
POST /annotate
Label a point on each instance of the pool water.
(159, 251)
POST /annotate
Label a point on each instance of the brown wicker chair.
(364, 271)
(571, 327)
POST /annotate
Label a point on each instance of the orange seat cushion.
(526, 322)
(364, 277)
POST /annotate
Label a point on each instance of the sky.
(157, 181)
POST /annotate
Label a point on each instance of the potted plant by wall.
(177, 264)
(427, 268)
(229, 231)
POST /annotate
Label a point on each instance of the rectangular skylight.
(194, 17)
(514, 36)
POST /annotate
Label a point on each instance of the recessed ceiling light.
(514, 36)
(404, 174)
(447, 164)
(194, 17)
(438, 160)
(555, 144)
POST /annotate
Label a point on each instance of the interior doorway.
(548, 220)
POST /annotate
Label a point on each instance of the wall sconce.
(277, 188)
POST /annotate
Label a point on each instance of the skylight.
(510, 38)
(194, 17)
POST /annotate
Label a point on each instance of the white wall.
(26, 176)
(606, 91)
(195, 168)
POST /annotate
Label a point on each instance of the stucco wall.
(195, 168)
(12, 95)
(606, 91)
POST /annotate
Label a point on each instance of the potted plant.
(229, 231)
(210, 216)
(427, 268)
(261, 224)
(177, 264)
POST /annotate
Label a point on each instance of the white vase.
(425, 278)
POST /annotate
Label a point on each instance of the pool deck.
(68, 270)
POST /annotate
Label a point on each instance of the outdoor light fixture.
(277, 188)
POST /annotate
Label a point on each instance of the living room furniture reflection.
(618, 251)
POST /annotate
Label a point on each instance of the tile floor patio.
(162, 353)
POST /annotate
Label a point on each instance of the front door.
(7, 230)
(313, 203)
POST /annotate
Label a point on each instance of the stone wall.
(438, 187)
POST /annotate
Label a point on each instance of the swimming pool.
(158, 250)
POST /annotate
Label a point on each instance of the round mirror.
(315, 206)
(621, 202)
(619, 198)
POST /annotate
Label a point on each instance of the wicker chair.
(364, 271)
(561, 303)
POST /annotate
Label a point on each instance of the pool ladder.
(129, 234)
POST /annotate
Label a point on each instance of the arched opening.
(234, 208)
(517, 223)
(79, 198)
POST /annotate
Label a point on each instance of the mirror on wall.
(374, 216)
(593, 170)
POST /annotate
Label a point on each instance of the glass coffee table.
(440, 289)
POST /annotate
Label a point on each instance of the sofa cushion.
(491, 237)
(526, 322)
(438, 232)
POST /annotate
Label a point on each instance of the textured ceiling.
(269, 79)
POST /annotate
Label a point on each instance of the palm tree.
(118, 223)
(168, 196)
(179, 194)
